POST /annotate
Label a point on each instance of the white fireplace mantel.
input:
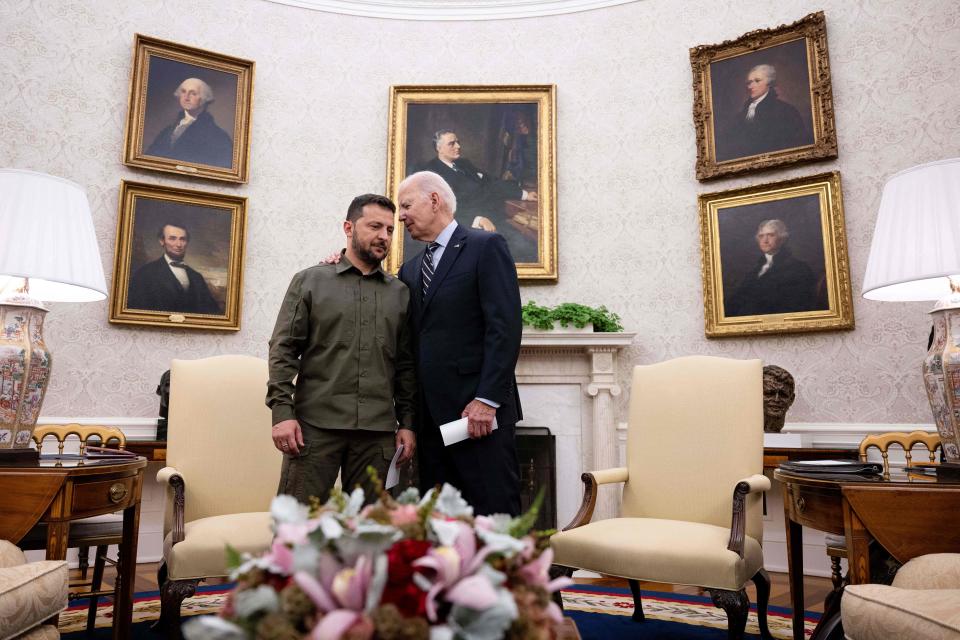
(568, 383)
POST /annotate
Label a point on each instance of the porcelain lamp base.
(24, 371)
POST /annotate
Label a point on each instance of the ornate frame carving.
(836, 266)
(813, 29)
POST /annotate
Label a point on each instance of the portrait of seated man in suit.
(481, 196)
(194, 135)
(777, 282)
(169, 283)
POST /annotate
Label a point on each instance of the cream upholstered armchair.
(223, 472)
(691, 510)
(31, 594)
(923, 603)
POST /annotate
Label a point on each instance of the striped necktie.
(427, 268)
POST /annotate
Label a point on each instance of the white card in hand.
(456, 431)
(393, 476)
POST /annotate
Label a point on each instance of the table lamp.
(915, 256)
(49, 252)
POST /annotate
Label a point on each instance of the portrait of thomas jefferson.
(761, 102)
(766, 272)
(190, 113)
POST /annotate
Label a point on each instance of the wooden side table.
(57, 491)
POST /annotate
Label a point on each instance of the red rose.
(400, 590)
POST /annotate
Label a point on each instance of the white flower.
(248, 602)
(211, 628)
(501, 542)
(450, 503)
(410, 495)
(445, 530)
(489, 624)
(286, 509)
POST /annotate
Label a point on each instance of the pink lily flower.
(454, 568)
(537, 573)
(339, 593)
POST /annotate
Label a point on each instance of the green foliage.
(234, 559)
(521, 525)
(570, 313)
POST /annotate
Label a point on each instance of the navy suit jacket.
(467, 329)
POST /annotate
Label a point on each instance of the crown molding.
(452, 9)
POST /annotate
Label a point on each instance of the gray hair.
(768, 70)
(206, 93)
(779, 227)
(427, 182)
(439, 134)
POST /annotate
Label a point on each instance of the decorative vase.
(941, 377)
(24, 369)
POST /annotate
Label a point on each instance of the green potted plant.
(570, 316)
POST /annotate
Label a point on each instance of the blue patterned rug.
(601, 613)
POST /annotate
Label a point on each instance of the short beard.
(363, 254)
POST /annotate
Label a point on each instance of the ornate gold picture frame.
(179, 258)
(775, 258)
(503, 169)
(764, 100)
(188, 111)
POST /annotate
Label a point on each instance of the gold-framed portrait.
(775, 258)
(188, 111)
(179, 258)
(496, 147)
(764, 100)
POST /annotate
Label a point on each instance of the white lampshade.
(47, 236)
(916, 243)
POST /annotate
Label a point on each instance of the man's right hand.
(287, 437)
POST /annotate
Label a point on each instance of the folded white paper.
(456, 431)
(393, 476)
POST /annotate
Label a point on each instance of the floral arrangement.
(399, 569)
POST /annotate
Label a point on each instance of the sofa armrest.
(931, 571)
(174, 480)
(591, 482)
(738, 525)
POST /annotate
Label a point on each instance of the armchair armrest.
(174, 479)
(591, 482)
(753, 484)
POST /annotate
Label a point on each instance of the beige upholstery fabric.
(203, 551)
(30, 592)
(695, 431)
(922, 604)
(879, 612)
(46, 632)
(669, 551)
(702, 414)
(219, 441)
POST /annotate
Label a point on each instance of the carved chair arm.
(591, 482)
(174, 479)
(738, 525)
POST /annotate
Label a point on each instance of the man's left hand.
(408, 439)
(479, 417)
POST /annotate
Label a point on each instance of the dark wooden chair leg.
(83, 558)
(637, 604)
(737, 606)
(99, 561)
(836, 574)
(172, 595)
(762, 580)
(558, 571)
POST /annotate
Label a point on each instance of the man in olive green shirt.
(343, 332)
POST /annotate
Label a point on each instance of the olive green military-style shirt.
(346, 338)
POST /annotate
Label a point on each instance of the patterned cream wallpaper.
(627, 193)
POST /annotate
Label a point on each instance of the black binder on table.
(854, 467)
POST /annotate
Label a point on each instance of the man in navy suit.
(465, 303)
(168, 283)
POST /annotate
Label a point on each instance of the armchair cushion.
(875, 611)
(202, 553)
(671, 551)
(30, 592)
